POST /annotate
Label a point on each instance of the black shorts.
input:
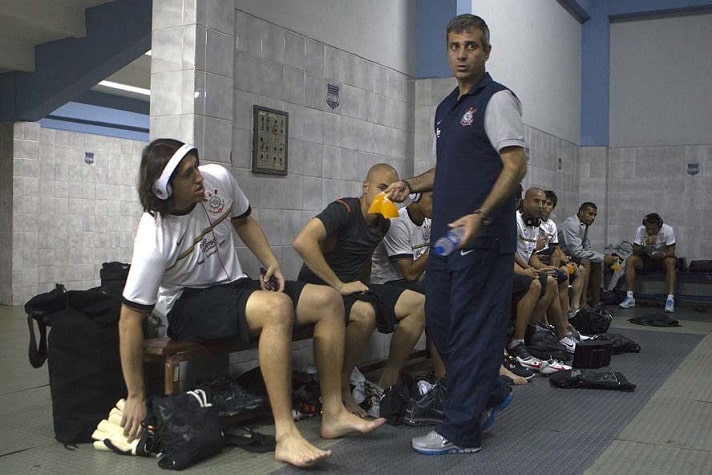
(652, 265)
(219, 311)
(520, 285)
(383, 298)
(543, 276)
(560, 276)
(416, 286)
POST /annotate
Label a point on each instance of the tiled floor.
(671, 434)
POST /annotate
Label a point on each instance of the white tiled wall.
(642, 180)
(6, 228)
(68, 216)
(330, 150)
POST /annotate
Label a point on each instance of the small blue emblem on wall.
(693, 168)
(332, 95)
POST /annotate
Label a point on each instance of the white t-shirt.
(404, 240)
(526, 238)
(665, 237)
(192, 250)
(548, 228)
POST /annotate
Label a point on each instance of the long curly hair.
(154, 158)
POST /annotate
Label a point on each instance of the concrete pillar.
(193, 44)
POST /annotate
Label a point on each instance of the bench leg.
(171, 377)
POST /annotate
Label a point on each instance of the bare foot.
(337, 425)
(351, 405)
(296, 450)
(515, 379)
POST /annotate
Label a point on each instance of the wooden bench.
(170, 353)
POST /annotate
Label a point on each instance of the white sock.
(629, 294)
(671, 297)
(514, 343)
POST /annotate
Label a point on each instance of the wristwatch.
(486, 220)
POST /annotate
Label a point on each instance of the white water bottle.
(446, 244)
(411, 198)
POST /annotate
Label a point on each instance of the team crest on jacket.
(468, 117)
(215, 202)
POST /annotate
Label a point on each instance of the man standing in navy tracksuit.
(480, 162)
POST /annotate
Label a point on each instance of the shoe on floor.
(511, 363)
(628, 302)
(490, 414)
(435, 444)
(570, 343)
(670, 305)
(522, 355)
(552, 366)
(428, 409)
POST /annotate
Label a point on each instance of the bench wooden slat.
(172, 352)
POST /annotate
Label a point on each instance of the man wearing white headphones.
(653, 250)
(185, 268)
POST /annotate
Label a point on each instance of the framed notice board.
(269, 141)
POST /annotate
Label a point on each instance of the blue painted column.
(431, 17)
(595, 76)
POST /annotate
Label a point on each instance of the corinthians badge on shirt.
(468, 117)
(215, 203)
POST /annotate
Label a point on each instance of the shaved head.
(381, 170)
(533, 191)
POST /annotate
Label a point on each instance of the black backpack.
(591, 379)
(621, 343)
(542, 342)
(395, 399)
(592, 320)
(82, 350)
(188, 429)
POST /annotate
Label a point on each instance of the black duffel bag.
(592, 320)
(82, 350)
(542, 342)
(700, 266)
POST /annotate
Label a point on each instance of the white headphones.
(161, 188)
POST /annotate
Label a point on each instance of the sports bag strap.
(200, 396)
(39, 308)
(37, 354)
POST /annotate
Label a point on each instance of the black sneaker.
(230, 398)
(522, 355)
(428, 410)
(510, 362)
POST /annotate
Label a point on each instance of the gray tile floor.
(672, 434)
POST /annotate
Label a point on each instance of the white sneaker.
(552, 366)
(358, 381)
(628, 302)
(435, 444)
(670, 305)
(570, 343)
(524, 358)
(375, 409)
